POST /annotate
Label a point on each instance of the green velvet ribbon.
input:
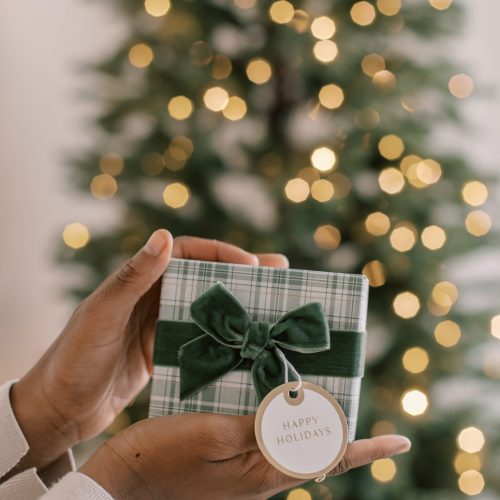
(232, 337)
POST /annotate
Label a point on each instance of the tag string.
(289, 367)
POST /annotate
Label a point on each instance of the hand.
(196, 456)
(103, 357)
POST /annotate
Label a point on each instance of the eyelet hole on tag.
(294, 398)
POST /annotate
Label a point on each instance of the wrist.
(46, 431)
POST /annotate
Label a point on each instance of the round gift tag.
(303, 433)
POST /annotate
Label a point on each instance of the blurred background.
(353, 136)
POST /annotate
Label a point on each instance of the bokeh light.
(140, 55)
(441, 4)
(236, 108)
(471, 482)
(389, 7)
(325, 51)
(377, 224)
(391, 180)
(216, 98)
(176, 195)
(470, 439)
(495, 326)
(298, 494)
(157, 8)
(447, 333)
(331, 96)
(323, 158)
(465, 461)
(461, 85)
(384, 80)
(180, 107)
(327, 237)
(375, 272)
(415, 360)
(259, 71)
(323, 28)
(76, 235)
(406, 305)
(383, 470)
(391, 147)
(403, 237)
(281, 12)
(363, 13)
(372, 63)
(414, 402)
(103, 186)
(322, 190)
(433, 237)
(111, 163)
(297, 190)
(475, 193)
(478, 223)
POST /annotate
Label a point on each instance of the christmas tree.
(305, 127)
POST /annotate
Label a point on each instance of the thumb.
(127, 285)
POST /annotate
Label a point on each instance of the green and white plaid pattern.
(267, 294)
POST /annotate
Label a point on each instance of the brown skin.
(102, 360)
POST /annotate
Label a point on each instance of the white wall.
(42, 118)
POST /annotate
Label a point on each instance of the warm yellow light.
(76, 235)
(111, 163)
(325, 51)
(103, 187)
(447, 333)
(331, 96)
(323, 159)
(300, 21)
(245, 4)
(470, 440)
(391, 180)
(157, 8)
(441, 4)
(176, 195)
(406, 305)
(407, 162)
(461, 85)
(384, 80)
(236, 108)
(372, 63)
(495, 327)
(403, 237)
(444, 294)
(367, 118)
(424, 173)
(383, 470)
(383, 427)
(221, 67)
(475, 193)
(391, 147)
(281, 12)
(375, 272)
(153, 163)
(342, 185)
(414, 402)
(299, 494)
(478, 223)
(259, 71)
(471, 482)
(322, 190)
(433, 237)
(327, 237)
(363, 13)
(377, 224)
(323, 28)
(389, 7)
(181, 148)
(180, 107)
(216, 98)
(466, 461)
(415, 360)
(297, 190)
(140, 55)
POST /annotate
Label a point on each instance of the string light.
(391, 180)
(216, 98)
(478, 223)
(384, 80)
(465, 461)
(323, 28)
(331, 96)
(495, 327)
(76, 235)
(389, 7)
(372, 63)
(140, 55)
(281, 12)
(363, 13)
(157, 8)
(444, 294)
(415, 360)
(414, 402)
(323, 159)
(470, 440)
(406, 305)
(391, 147)
(112, 164)
(103, 186)
(375, 272)
(447, 333)
(322, 190)
(259, 71)
(475, 193)
(461, 85)
(327, 237)
(176, 195)
(180, 107)
(471, 482)
(299, 494)
(236, 108)
(221, 67)
(403, 237)
(383, 470)
(325, 51)
(297, 190)
(433, 237)
(441, 4)
(377, 224)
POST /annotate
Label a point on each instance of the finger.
(272, 260)
(190, 247)
(365, 451)
(125, 287)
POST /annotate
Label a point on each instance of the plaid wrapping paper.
(267, 294)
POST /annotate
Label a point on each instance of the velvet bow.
(231, 337)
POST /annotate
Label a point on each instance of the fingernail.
(156, 243)
(404, 446)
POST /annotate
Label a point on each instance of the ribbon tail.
(268, 372)
(203, 360)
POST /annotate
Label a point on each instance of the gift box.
(227, 334)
